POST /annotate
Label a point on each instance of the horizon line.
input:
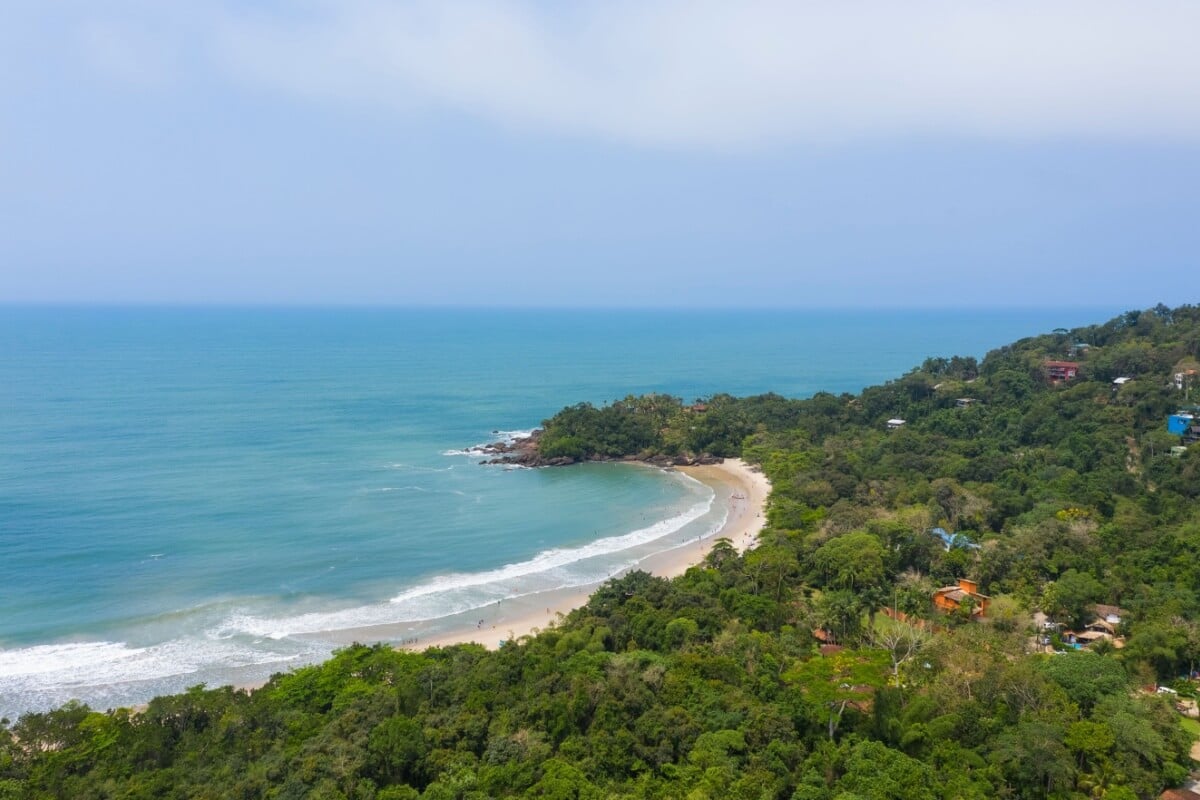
(354, 306)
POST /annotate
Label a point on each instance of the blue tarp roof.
(952, 540)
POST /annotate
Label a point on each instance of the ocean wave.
(398, 465)
(51, 658)
(112, 675)
(475, 450)
(421, 489)
(509, 437)
(50, 667)
(483, 448)
(234, 641)
(456, 593)
(560, 557)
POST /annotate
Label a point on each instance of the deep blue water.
(197, 495)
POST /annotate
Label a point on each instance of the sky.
(859, 153)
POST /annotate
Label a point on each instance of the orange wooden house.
(950, 598)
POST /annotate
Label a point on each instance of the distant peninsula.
(529, 451)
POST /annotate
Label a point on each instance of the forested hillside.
(782, 673)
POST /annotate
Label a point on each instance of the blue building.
(1179, 423)
(952, 540)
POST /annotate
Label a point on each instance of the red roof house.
(1058, 371)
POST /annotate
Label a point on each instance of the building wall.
(1178, 423)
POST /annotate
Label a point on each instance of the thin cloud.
(731, 75)
(127, 54)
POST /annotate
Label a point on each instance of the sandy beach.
(743, 488)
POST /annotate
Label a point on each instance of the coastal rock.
(518, 448)
(523, 452)
(529, 459)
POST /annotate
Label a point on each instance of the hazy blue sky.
(649, 152)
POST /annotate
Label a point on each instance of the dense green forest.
(713, 685)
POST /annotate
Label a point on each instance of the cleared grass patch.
(1192, 727)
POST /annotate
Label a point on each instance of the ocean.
(210, 496)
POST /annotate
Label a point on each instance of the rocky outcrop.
(524, 452)
(680, 460)
(521, 451)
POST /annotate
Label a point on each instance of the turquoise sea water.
(194, 496)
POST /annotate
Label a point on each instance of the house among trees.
(1104, 626)
(1059, 371)
(894, 423)
(824, 636)
(1179, 422)
(952, 540)
(1183, 424)
(1178, 794)
(1110, 615)
(1084, 638)
(964, 402)
(951, 598)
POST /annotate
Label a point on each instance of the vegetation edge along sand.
(737, 483)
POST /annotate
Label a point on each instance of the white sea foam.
(421, 489)
(416, 468)
(52, 658)
(483, 448)
(446, 595)
(559, 557)
(249, 643)
(511, 436)
(43, 668)
(476, 450)
(112, 673)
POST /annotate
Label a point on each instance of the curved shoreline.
(743, 488)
